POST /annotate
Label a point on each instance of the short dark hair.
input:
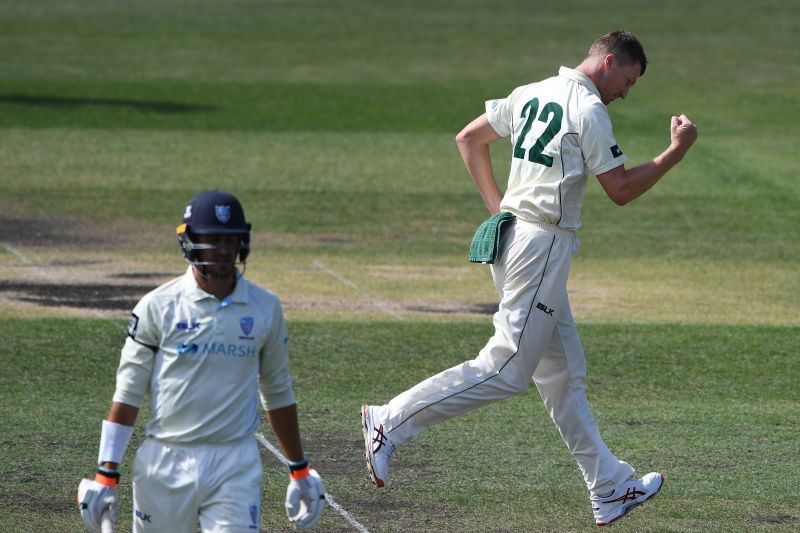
(625, 47)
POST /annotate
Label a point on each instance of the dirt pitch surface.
(101, 285)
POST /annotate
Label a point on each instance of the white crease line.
(22, 257)
(384, 307)
(339, 509)
(45, 273)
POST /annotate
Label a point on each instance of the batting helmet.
(212, 212)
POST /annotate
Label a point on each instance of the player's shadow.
(139, 105)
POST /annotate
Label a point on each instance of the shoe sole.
(634, 504)
(366, 423)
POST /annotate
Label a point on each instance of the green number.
(551, 115)
(519, 151)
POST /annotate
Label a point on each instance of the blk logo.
(144, 517)
(543, 308)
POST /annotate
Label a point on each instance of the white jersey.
(204, 362)
(560, 131)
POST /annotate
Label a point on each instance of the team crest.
(247, 324)
(223, 213)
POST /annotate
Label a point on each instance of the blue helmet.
(212, 212)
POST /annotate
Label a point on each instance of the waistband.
(552, 228)
(204, 444)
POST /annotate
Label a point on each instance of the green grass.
(334, 123)
(714, 407)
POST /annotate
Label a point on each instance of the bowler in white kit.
(560, 132)
(204, 346)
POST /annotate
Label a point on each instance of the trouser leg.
(165, 495)
(531, 275)
(561, 380)
(230, 479)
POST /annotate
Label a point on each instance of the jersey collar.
(579, 77)
(193, 290)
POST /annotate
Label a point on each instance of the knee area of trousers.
(517, 383)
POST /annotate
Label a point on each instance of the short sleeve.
(138, 355)
(600, 150)
(499, 113)
(275, 382)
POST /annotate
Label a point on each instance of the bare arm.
(284, 425)
(624, 186)
(473, 144)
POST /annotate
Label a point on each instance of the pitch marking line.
(22, 257)
(44, 272)
(364, 294)
(339, 509)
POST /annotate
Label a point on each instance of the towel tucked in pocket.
(485, 247)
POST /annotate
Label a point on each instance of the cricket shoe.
(627, 495)
(378, 446)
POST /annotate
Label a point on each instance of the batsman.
(560, 132)
(204, 346)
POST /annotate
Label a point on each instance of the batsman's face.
(618, 79)
(224, 254)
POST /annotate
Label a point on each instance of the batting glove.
(305, 496)
(98, 496)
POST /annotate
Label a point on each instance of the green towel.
(485, 247)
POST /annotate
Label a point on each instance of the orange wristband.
(107, 478)
(300, 473)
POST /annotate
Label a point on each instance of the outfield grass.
(334, 122)
(714, 407)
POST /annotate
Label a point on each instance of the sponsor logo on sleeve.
(615, 151)
(133, 323)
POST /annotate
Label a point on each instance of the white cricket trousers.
(175, 486)
(535, 339)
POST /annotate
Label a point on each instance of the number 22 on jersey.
(551, 115)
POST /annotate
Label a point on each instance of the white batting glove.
(96, 497)
(305, 498)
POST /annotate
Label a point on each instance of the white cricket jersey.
(560, 132)
(204, 362)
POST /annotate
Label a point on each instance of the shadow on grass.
(138, 105)
(85, 296)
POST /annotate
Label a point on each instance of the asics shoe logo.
(630, 494)
(379, 439)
